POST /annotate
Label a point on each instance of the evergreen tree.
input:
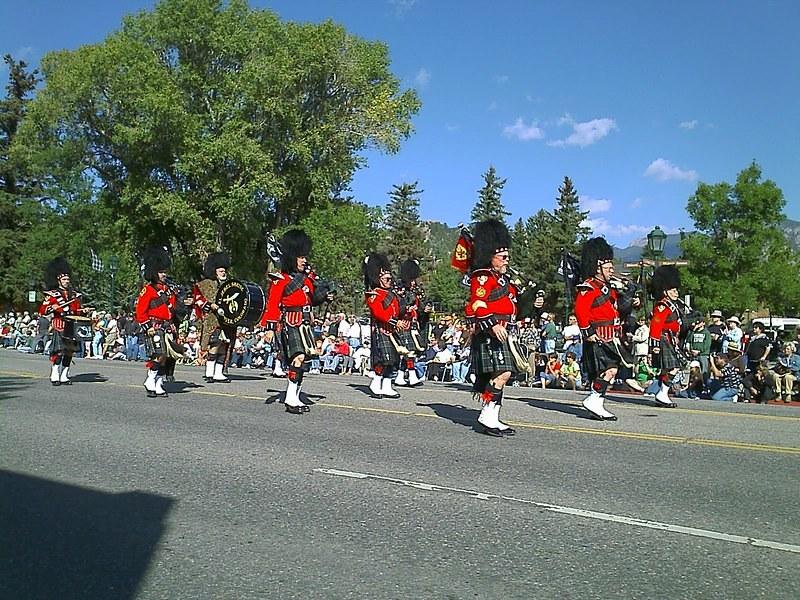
(568, 229)
(405, 236)
(490, 204)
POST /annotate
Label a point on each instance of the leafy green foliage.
(738, 258)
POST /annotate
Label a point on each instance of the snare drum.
(241, 303)
(77, 328)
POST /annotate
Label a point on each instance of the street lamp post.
(113, 264)
(655, 243)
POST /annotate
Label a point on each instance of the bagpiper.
(385, 308)
(665, 330)
(60, 301)
(493, 304)
(599, 307)
(154, 312)
(292, 294)
(411, 323)
(214, 338)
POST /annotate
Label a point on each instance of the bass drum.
(241, 303)
(78, 328)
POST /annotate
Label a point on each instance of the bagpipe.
(325, 287)
(530, 295)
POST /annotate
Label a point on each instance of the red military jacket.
(155, 305)
(596, 309)
(384, 307)
(291, 296)
(58, 304)
(667, 319)
(492, 299)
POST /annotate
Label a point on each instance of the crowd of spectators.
(725, 362)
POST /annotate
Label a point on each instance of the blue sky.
(636, 102)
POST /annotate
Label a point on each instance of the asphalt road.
(212, 493)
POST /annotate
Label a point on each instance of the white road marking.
(589, 514)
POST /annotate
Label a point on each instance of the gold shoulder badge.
(482, 279)
(661, 308)
(480, 292)
(144, 290)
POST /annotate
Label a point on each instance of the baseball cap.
(694, 363)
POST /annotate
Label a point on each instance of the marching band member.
(214, 339)
(415, 317)
(154, 311)
(665, 330)
(386, 309)
(293, 292)
(60, 301)
(598, 308)
(492, 303)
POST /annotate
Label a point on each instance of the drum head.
(240, 302)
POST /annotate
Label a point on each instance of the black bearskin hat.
(409, 270)
(53, 269)
(491, 236)
(595, 252)
(155, 259)
(216, 260)
(374, 265)
(294, 243)
(665, 278)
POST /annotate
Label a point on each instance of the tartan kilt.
(62, 344)
(598, 357)
(490, 355)
(669, 358)
(291, 341)
(383, 351)
(404, 338)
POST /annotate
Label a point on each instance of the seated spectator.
(571, 371)
(342, 350)
(644, 376)
(726, 380)
(759, 386)
(315, 364)
(786, 372)
(551, 376)
(696, 382)
(442, 358)
(361, 358)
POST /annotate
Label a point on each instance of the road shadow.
(567, 409)
(182, 387)
(237, 377)
(364, 389)
(88, 378)
(10, 385)
(64, 541)
(455, 413)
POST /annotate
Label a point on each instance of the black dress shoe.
(509, 431)
(611, 418)
(295, 410)
(56, 383)
(164, 395)
(305, 409)
(67, 382)
(151, 394)
(490, 431)
(208, 379)
(595, 415)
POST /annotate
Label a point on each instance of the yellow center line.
(632, 435)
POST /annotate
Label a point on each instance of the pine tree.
(490, 204)
(568, 229)
(405, 236)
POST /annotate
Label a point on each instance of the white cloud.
(523, 132)
(402, 6)
(688, 124)
(422, 78)
(663, 170)
(594, 205)
(602, 226)
(637, 202)
(585, 133)
(492, 105)
(450, 127)
(501, 79)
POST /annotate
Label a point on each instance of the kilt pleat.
(62, 344)
(598, 357)
(490, 355)
(382, 350)
(291, 341)
(668, 358)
